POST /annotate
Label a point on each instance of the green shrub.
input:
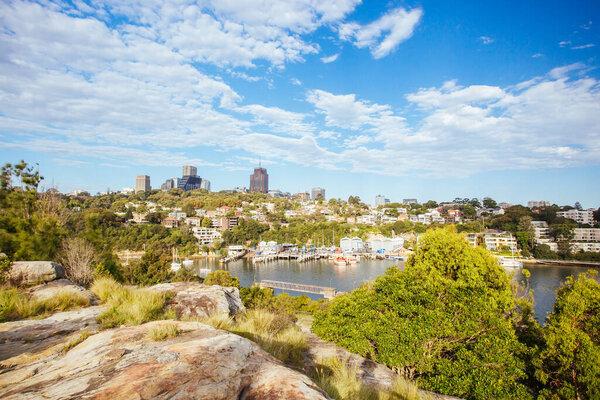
(221, 278)
(445, 321)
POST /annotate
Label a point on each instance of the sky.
(407, 99)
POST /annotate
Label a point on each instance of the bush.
(221, 278)
(444, 321)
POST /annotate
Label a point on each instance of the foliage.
(129, 306)
(5, 266)
(221, 278)
(543, 252)
(15, 304)
(152, 268)
(255, 297)
(162, 331)
(445, 321)
(569, 363)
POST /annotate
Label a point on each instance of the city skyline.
(406, 99)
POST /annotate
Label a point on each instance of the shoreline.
(550, 263)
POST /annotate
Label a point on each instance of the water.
(544, 279)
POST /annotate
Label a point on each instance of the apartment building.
(579, 216)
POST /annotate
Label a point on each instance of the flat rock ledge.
(23, 339)
(123, 363)
(47, 290)
(196, 300)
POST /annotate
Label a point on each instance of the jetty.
(327, 292)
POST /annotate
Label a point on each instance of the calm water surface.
(544, 279)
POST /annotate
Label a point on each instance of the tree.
(569, 363)
(206, 222)
(468, 211)
(543, 252)
(431, 204)
(354, 200)
(578, 206)
(445, 321)
(489, 203)
(221, 278)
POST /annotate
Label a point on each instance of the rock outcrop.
(50, 289)
(35, 272)
(24, 338)
(195, 300)
(123, 363)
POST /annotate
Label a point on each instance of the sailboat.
(176, 263)
(511, 263)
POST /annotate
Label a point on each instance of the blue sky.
(430, 99)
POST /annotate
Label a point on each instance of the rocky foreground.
(67, 355)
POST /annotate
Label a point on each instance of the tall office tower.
(142, 183)
(205, 184)
(259, 181)
(318, 192)
(189, 170)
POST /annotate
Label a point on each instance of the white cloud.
(296, 81)
(486, 39)
(585, 46)
(537, 55)
(281, 121)
(330, 59)
(564, 43)
(385, 34)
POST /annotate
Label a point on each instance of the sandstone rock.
(44, 291)
(35, 272)
(35, 335)
(123, 363)
(371, 374)
(194, 299)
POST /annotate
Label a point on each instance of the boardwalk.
(327, 292)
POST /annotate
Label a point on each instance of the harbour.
(544, 280)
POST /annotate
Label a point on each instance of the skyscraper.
(190, 179)
(189, 170)
(142, 183)
(318, 192)
(259, 181)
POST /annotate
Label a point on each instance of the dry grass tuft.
(82, 336)
(130, 306)
(339, 380)
(163, 331)
(15, 304)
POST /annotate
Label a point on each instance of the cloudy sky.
(428, 99)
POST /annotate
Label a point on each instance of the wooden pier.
(327, 292)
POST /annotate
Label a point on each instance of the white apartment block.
(581, 217)
(538, 204)
(366, 219)
(587, 246)
(206, 235)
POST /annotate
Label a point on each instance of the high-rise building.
(170, 184)
(190, 179)
(538, 204)
(205, 184)
(318, 192)
(142, 183)
(189, 170)
(259, 181)
(381, 201)
(409, 201)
